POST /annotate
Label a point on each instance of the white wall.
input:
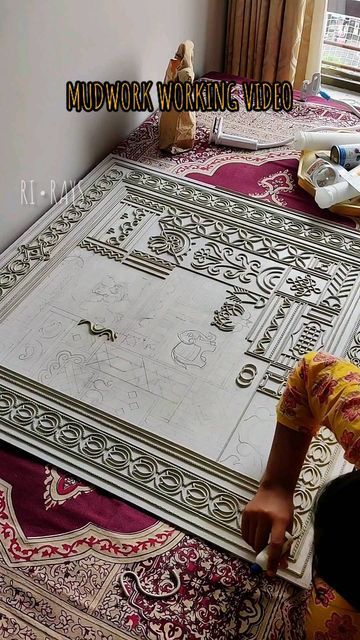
(45, 43)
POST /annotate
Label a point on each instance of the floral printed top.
(324, 390)
(330, 617)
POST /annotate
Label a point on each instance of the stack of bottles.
(338, 178)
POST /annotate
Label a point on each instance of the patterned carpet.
(267, 174)
(64, 546)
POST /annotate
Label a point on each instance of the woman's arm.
(270, 513)
(321, 390)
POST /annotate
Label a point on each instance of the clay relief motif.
(174, 242)
(97, 330)
(234, 306)
(129, 221)
(303, 286)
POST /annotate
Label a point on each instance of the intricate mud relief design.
(150, 264)
(234, 306)
(274, 381)
(246, 375)
(340, 287)
(196, 305)
(272, 329)
(103, 249)
(303, 286)
(129, 221)
(175, 243)
(353, 348)
(41, 247)
(214, 259)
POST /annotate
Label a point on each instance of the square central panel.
(147, 333)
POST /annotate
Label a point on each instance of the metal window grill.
(342, 42)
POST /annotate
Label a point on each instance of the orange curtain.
(272, 40)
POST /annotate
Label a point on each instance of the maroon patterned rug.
(63, 547)
(267, 174)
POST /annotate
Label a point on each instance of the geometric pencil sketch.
(197, 304)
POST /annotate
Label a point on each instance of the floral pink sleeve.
(293, 409)
(324, 390)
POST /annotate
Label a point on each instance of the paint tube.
(348, 188)
(262, 559)
(316, 141)
(348, 156)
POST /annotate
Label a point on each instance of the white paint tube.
(317, 141)
(348, 188)
(262, 559)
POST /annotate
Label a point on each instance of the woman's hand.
(268, 516)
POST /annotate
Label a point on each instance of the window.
(341, 51)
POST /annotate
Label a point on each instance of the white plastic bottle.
(262, 559)
(326, 197)
(315, 141)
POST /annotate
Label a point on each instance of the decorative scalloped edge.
(118, 457)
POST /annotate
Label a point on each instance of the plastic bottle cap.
(255, 569)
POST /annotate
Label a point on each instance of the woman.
(321, 390)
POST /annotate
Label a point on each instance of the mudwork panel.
(147, 332)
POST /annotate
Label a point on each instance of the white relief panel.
(147, 336)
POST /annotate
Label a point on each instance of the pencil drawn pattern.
(192, 348)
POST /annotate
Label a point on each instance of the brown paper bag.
(177, 129)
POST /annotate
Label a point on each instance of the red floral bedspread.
(63, 546)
